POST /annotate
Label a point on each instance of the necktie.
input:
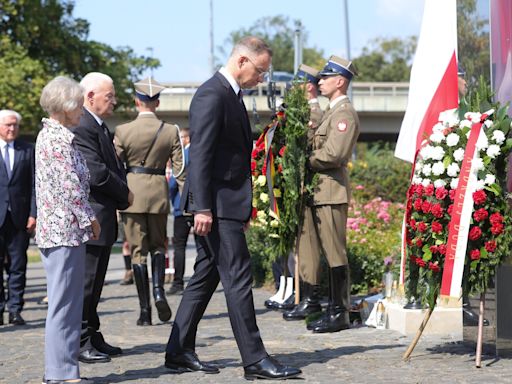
(106, 131)
(7, 161)
(240, 97)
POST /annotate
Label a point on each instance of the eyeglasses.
(261, 72)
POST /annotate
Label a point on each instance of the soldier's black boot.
(140, 273)
(158, 269)
(337, 317)
(309, 304)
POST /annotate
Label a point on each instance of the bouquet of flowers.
(431, 196)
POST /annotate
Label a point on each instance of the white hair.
(61, 94)
(93, 80)
(8, 112)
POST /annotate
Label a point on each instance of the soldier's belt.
(147, 171)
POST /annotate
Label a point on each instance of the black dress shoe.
(269, 368)
(187, 362)
(16, 319)
(175, 290)
(1, 319)
(102, 346)
(91, 356)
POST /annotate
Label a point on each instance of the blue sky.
(178, 30)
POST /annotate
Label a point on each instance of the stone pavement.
(358, 355)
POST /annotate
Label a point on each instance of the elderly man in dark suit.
(109, 192)
(218, 191)
(17, 212)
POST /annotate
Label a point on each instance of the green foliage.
(379, 172)
(40, 40)
(279, 34)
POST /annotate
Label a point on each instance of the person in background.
(109, 193)
(145, 145)
(66, 221)
(17, 213)
(182, 222)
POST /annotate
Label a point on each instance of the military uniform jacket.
(132, 141)
(332, 145)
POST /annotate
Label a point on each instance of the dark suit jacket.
(20, 190)
(109, 190)
(219, 172)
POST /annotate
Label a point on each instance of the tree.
(41, 39)
(386, 59)
(278, 33)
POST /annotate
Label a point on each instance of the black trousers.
(182, 225)
(13, 244)
(96, 263)
(228, 260)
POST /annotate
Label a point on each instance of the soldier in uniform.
(311, 77)
(324, 227)
(145, 145)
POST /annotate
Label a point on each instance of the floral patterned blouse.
(64, 214)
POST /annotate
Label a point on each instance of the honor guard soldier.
(145, 145)
(324, 227)
(311, 76)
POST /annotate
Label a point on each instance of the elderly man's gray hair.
(93, 80)
(8, 112)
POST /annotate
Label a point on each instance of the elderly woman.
(65, 222)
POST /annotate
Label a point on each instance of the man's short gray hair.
(251, 45)
(93, 80)
(8, 112)
(61, 94)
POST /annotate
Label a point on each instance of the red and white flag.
(433, 84)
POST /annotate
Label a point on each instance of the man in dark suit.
(109, 192)
(17, 212)
(218, 191)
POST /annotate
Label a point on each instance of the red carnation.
(282, 150)
(452, 194)
(412, 223)
(433, 249)
(417, 204)
(437, 227)
(441, 193)
(475, 254)
(429, 190)
(450, 209)
(442, 249)
(490, 246)
(475, 233)
(419, 190)
(420, 262)
(419, 243)
(425, 206)
(496, 218)
(437, 210)
(479, 197)
(422, 227)
(497, 228)
(433, 267)
(254, 213)
(480, 214)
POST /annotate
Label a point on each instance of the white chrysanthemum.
(465, 123)
(264, 197)
(437, 137)
(488, 123)
(417, 180)
(427, 170)
(262, 215)
(489, 179)
(261, 180)
(425, 182)
(449, 118)
(437, 153)
(493, 151)
(439, 127)
(426, 152)
(454, 183)
(478, 164)
(475, 117)
(498, 136)
(453, 170)
(458, 155)
(479, 185)
(438, 168)
(452, 139)
(274, 223)
(482, 141)
(439, 183)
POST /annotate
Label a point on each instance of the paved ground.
(358, 355)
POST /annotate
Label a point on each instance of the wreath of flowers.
(431, 196)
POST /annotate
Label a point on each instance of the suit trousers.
(65, 275)
(13, 244)
(145, 232)
(324, 230)
(182, 225)
(96, 263)
(222, 255)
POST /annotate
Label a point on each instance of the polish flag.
(433, 84)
